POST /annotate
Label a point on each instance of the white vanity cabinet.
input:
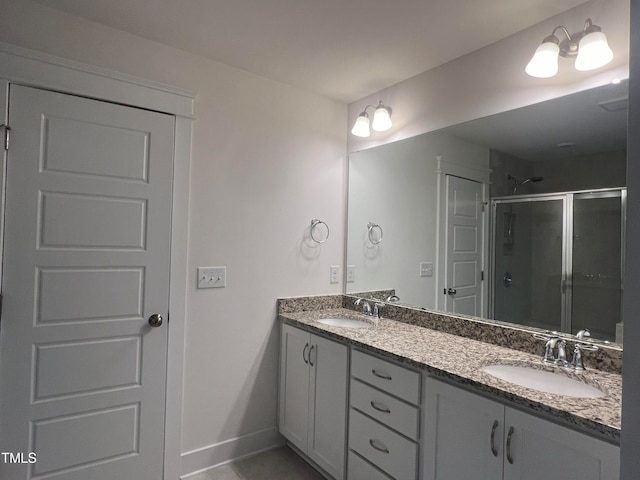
(470, 436)
(313, 397)
(384, 419)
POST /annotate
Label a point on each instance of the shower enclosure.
(557, 260)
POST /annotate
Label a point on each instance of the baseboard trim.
(211, 456)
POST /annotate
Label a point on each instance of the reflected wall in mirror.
(517, 217)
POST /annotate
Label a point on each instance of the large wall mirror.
(517, 217)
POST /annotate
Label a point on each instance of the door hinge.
(6, 129)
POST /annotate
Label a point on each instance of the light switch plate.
(212, 277)
(426, 269)
(334, 276)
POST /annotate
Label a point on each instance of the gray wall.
(631, 306)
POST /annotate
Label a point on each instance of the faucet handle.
(583, 333)
(376, 309)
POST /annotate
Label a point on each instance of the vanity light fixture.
(589, 47)
(381, 120)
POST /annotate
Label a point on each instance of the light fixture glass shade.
(361, 127)
(381, 119)
(593, 52)
(544, 63)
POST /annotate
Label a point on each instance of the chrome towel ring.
(315, 235)
(372, 237)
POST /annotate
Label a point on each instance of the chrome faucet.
(366, 306)
(555, 350)
(577, 362)
(367, 309)
(561, 359)
(549, 350)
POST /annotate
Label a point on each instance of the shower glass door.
(528, 268)
(558, 261)
(597, 259)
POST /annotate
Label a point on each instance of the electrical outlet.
(426, 269)
(212, 277)
(334, 276)
(351, 273)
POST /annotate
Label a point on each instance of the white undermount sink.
(543, 381)
(345, 322)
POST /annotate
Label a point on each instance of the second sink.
(543, 381)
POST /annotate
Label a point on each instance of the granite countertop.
(461, 360)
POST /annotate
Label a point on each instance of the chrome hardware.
(309, 356)
(392, 299)
(380, 409)
(451, 291)
(381, 375)
(509, 436)
(366, 306)
(304, 354)
(315, 223)
(6, 129)
(370, 232)
(494, 450)
(382, 449)
(155, 320)
(577, 361)
(507, 280)
(376, 309)
(561, 359)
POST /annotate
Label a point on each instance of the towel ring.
(370, 227)
(314, 223)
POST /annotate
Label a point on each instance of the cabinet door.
(542, 449)
(463, 434)
(328, 405)
(294, 385)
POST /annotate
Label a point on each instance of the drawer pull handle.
(384, 376)
(494, 450)
(509, 457)
(382, 448)
(382, 409)
(304, 354)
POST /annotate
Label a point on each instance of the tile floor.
(278, 464)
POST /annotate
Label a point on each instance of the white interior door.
(86, 263)
(464, 241)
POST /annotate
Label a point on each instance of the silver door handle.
(494, 450)
(509, 457)
(155, 320)
(451, 291)
(507, 280)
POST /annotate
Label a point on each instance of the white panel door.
(463, 434)
(464, 286)
(536, 448)
(86, 263)
(328, 404)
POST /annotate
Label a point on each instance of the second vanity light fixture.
(589, 47)
(381, 120)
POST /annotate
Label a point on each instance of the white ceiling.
(341, 49)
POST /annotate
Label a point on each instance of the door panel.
(86, 262)
(464, 246)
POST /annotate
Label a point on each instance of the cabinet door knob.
(509, 436)
(494, 450)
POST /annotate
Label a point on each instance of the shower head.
(517, 184)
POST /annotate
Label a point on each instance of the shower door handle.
(507, 280)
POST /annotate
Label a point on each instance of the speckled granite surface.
(608, 357)
(461, 359)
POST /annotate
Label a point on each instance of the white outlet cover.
(212, 277)
(351, 273)
(426, 269)
(334, 275)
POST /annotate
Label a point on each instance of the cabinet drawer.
(394, 413)
(360, 469)
(383, 447)
(397, 380)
